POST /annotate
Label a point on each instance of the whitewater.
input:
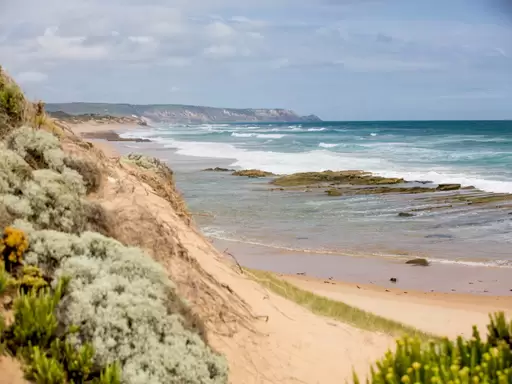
(470, 153)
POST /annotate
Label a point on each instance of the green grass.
(336, 310)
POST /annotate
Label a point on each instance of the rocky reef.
(333, 178)
(253, 173)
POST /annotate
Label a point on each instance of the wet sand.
(375, 271)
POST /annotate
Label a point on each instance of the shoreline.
(438, 310)
(484, 289)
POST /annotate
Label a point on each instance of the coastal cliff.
(182, 114)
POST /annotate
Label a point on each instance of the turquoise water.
(244, 211)
(477, 153)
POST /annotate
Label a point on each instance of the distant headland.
(183, 114)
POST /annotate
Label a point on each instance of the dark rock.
(301, 273)
(393, 279)
(405, 214)
(419, 262)
(439, 236)
(333, 192)
(448, 187)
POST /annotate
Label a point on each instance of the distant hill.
(174, 113)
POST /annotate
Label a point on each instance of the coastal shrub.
(46, 198)
(460, 361)
(143, 161)
(38, 337)
(40, 149)
(50, 198)
(12, 104)
(14, 171)
(35, 323)
(110, 375)
(98, 219)
(44, 369)
(4, 279)
(5, 216)
(89, 171)
(125, 306)
(12, 246)
(31, 279)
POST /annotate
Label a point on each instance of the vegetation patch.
(336, 309)
(122, 302)
(90, 172)
(460, 361)
(12, 104)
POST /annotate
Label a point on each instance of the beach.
(429, 298)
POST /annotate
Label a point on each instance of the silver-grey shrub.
(50, 198)
(14, 171)
(121, 300)
(36, 145)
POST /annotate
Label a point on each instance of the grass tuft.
(337, 310)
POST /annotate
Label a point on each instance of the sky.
(339, 59)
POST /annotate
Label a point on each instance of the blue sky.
(340, 59)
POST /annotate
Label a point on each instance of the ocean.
(245, 214)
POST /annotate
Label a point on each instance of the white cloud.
(31, 77)
(141, 39)
(220, 51)
(174, 89)
(219, 30)
(255, 35)
(73, 48)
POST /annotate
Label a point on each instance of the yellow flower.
(13, 245)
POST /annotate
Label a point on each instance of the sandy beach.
(286, 339)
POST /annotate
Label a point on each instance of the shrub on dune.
(460, 361)
(125, 305)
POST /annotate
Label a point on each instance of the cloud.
(141, 39)
(218, 30)
(220, 51)
(53, 45)
(285, 47)
(31, 77)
